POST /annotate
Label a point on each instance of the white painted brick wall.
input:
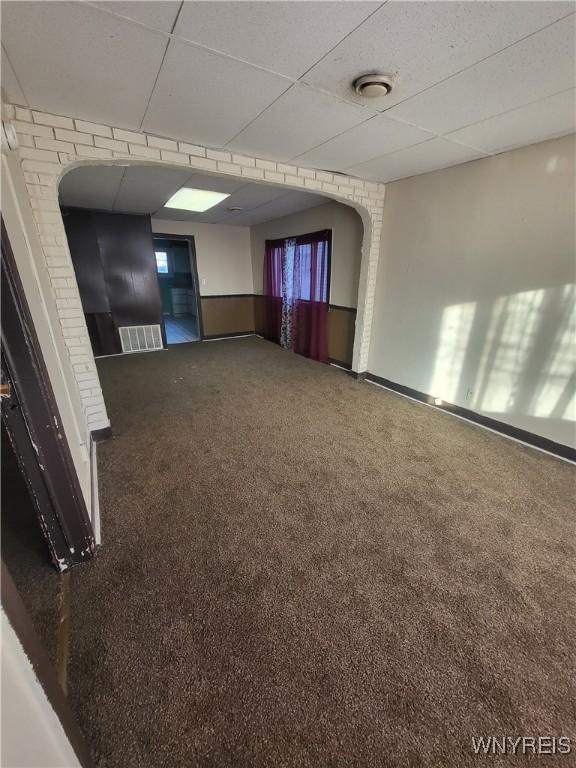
(103, 142)
(50, 145)
(191, 149)
(94, 128)
(158, 143)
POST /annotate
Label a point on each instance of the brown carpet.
(303, 570)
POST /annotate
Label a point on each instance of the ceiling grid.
(274, 79)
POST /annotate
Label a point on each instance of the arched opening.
(223, 247)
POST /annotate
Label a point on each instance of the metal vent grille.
(140, 338)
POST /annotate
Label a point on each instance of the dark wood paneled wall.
(259, 314)
(115, 266)
(341, 329)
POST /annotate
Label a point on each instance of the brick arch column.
(52, 145)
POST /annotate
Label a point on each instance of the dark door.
(34, 428)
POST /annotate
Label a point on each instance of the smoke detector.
(371, 86)
(235, 209)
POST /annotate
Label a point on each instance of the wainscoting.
(227, 315)
(341, 327)
(245, 313)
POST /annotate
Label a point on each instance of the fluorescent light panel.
(197, 200)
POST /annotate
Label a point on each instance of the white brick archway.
(49, 146)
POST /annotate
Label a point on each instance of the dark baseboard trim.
(564, 451)
(342, 309)
(98, 435)
(340, 363)
(358, 375)
(228, 335)
(414, 393)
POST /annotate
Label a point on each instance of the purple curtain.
(273, 260)
(296, 277)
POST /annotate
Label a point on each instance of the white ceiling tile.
(554, 116)
(375, 137)
(10, 86)
(289, 202)
(424, 42)
(216, 215)
(298, 121)
(72, 59)
(207, 98)
(422, 158)
(173, 214)
(158, 14)
(299, 201)
(215, 183)
(91, 187)
(533, 69)
(144, 189)
(253, 195)
(246, 196)
(286, 37)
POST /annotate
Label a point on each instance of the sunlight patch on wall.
(515, 320)
(555, 395)
(516, 354)
(454, 334)
(569, 413)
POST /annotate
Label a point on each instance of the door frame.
(189, 239)
(33, 424)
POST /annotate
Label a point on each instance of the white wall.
(17, 216)
(222, 255)
(347, 231)
(31, 733)
(475, 290)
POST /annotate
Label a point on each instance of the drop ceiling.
(273, 78)
(145, 189)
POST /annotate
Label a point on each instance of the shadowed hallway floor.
(303, 570)
(181, 329)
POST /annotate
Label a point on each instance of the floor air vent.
(140, 338)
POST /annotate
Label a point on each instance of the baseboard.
(536, 441)
(98, 435)
(234, 335)
(339, 363)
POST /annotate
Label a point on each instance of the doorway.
(178, 282)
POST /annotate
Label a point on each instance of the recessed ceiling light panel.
(197, 200)
(371, 86)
